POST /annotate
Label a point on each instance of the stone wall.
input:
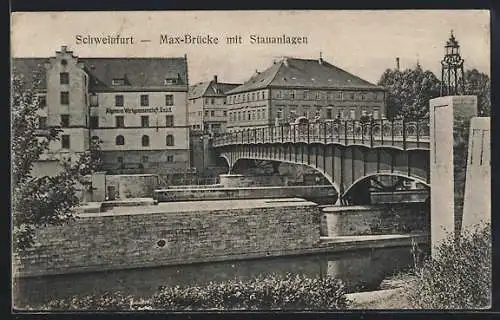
(131, 185)
(375, 219)
(102, 241)
(312, 193)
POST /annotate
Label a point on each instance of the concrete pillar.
(447, 114)
(99, 186)
(477, 198)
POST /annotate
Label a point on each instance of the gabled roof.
(304, 73)
(210, 89)
(138, 73)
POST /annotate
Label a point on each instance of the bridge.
(348, 153)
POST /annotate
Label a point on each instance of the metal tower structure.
(452, 69)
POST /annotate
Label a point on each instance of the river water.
(361, 270)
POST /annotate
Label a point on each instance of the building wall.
(158, 161)
(77, 108)
(249, 110)
(195, 114)
(97, 242)
(131, 186)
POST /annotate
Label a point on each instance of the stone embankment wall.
(106, 241)
(375, 219)
(312, 193)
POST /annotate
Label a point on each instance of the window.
(64, 120)
(279, 113)
(144, 100)
(120, 121)
(212, 101)
(329, 113)
(376, 114)
(224, 113)
(264, 113)
(292, 94)
(318, 95)
(169, 100)
(120, 140)
(279, 94)
(119, 100)
(64, 78)
(253, 96)
(145, 141)
(305, 95)
(353, 114)
(170, 81)
(94, 122)
(65, 141)
(253, 114)
(206, 113)
(169, 121)
(144, 121)
(170, 140)
(212, 113)
(239, 115)
(42, 101)
(249, 115)
(145, 159)
(64, 98)
(94, 100)
(170, 159)
(42, 122)
(119, 159)
(118, 82)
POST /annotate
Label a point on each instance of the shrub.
(272, 292)
(265, 293)
(459, 277)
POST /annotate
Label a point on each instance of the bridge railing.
(371, 133)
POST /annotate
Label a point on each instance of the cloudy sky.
(362, 42)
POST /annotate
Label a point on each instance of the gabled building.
(310, 88)
(135, 108)
(207, 108)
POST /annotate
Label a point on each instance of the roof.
(143, 73)
(28, 67)
(304, 73)
(210, 89)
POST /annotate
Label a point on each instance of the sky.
(362, 42)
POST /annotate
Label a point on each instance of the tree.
(39, 201)
(409, 92)
(478, 84)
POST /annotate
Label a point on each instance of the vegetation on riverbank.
(272, 292)
(458, 277)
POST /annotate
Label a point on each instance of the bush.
(459, 277)
(273, 292)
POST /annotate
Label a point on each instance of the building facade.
(207, 106)
(135, 108)
(309, 88)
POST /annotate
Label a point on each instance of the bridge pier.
(450, 117)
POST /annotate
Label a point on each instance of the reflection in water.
(361, 270)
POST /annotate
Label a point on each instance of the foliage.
(270, 292)
(38, 201)
(478, 84)
(459, 276)
(409, 92)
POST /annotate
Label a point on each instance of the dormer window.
(170, 81)
(118, 82)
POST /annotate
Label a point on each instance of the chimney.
(64, 49)
(215, 78)
(320, 60)
(397, 63)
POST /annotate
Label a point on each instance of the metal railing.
(371, 133)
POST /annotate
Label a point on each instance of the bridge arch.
(334, 184)
(384, 173)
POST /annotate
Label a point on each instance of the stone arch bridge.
(345, 152)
